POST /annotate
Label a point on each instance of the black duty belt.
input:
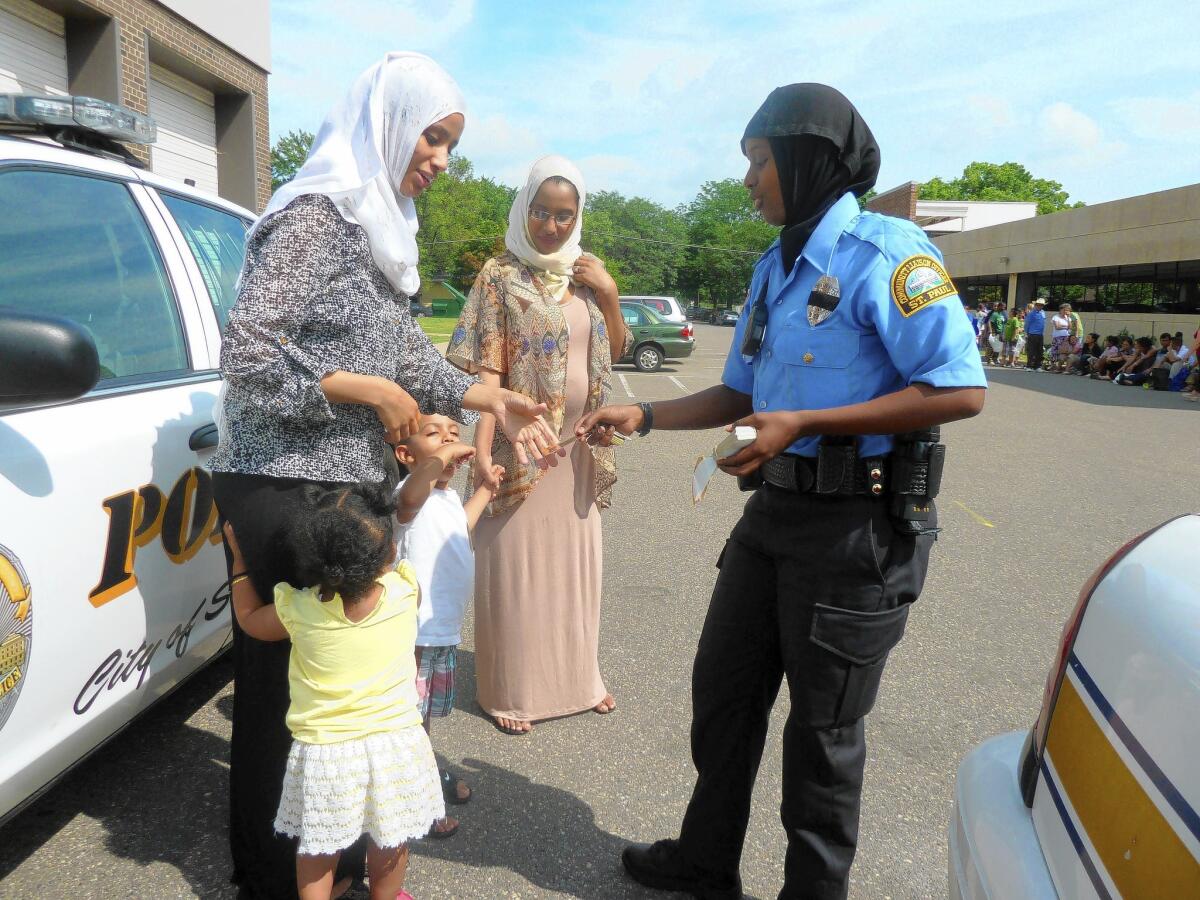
(832, 473)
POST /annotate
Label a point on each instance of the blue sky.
(651, 98)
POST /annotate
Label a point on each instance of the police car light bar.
(98, 116)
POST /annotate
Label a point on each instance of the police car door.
(110, 561)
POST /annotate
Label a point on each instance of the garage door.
(187, 132)
(33, 49)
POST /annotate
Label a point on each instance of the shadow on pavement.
(1087, 390)
(159, 790)
(545, 834)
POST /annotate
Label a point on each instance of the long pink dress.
(538, 573)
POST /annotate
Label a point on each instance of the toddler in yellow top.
(360, 761)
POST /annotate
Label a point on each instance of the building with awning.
(938, 217)
(1131, 263)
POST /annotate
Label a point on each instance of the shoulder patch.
(918, 282)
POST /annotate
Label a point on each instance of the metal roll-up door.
(187, 131)
(33, 49)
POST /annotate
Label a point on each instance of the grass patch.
(439, 330)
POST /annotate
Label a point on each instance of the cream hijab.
(553, 269)
(362, 152)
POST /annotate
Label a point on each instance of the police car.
(114, 285)
(1102, 797)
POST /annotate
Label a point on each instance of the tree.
(723, 220)
(999, 181)
(288, 155)
(463, 219)
(640, 241)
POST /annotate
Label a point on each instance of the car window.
(660, 305)
(218, 242)
(78, 247)
(631, 316)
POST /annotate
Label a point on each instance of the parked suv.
(114, 286)
(668, 308)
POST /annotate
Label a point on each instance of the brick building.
(197, 67)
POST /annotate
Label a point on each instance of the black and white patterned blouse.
(312, 302)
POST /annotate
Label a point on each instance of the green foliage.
(867, 198)
(999, 181)
(722, 216)
(463, 219)
(288, 155)
(640, 242)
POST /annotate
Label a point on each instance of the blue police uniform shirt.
(899, 321)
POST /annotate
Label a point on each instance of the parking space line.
(974, 515)
(625, 384)
(682, 386)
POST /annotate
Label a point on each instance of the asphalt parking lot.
(1054, 475)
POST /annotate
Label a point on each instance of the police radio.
(916, 478)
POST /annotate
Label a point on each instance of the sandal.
(445, 832)
(450, 789)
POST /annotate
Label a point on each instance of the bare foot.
(605, 706)
(512, 726)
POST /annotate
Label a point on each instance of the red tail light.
(1036, 744)
(686, 331)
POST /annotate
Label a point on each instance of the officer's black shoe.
(660, 866)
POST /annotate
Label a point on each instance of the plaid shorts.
(435, 681)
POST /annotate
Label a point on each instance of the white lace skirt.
(385, 785)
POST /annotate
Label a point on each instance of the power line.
(630, 237)
(622, 237)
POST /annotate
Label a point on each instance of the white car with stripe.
(1102, 797)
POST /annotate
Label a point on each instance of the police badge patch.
(918, 282)
(16, 629)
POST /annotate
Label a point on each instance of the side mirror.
(44, 359)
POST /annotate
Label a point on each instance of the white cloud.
(1160, 119)
(320, 47)
(990, 111)
(652, 98)
(1076, 138)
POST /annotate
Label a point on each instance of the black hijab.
(822, 149)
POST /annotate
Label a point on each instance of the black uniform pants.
(262, 509)
(817, 590)
(1033, 350)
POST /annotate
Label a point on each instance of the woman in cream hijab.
(543, 319)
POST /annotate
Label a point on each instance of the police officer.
(852, 333)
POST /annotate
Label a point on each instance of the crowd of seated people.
(1170, 364)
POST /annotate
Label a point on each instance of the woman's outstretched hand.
(521, 419)
(597, 426)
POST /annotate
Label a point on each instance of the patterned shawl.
(513, 326)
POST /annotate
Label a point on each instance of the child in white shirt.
(435, 537)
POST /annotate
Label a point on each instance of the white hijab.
(362, 152)
(554, 269)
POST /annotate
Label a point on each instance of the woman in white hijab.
(539, 321)
(324, 367)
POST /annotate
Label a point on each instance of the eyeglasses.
(560, 219)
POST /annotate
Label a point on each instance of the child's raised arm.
(427, 473)
(479, 500)
(259, 620)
